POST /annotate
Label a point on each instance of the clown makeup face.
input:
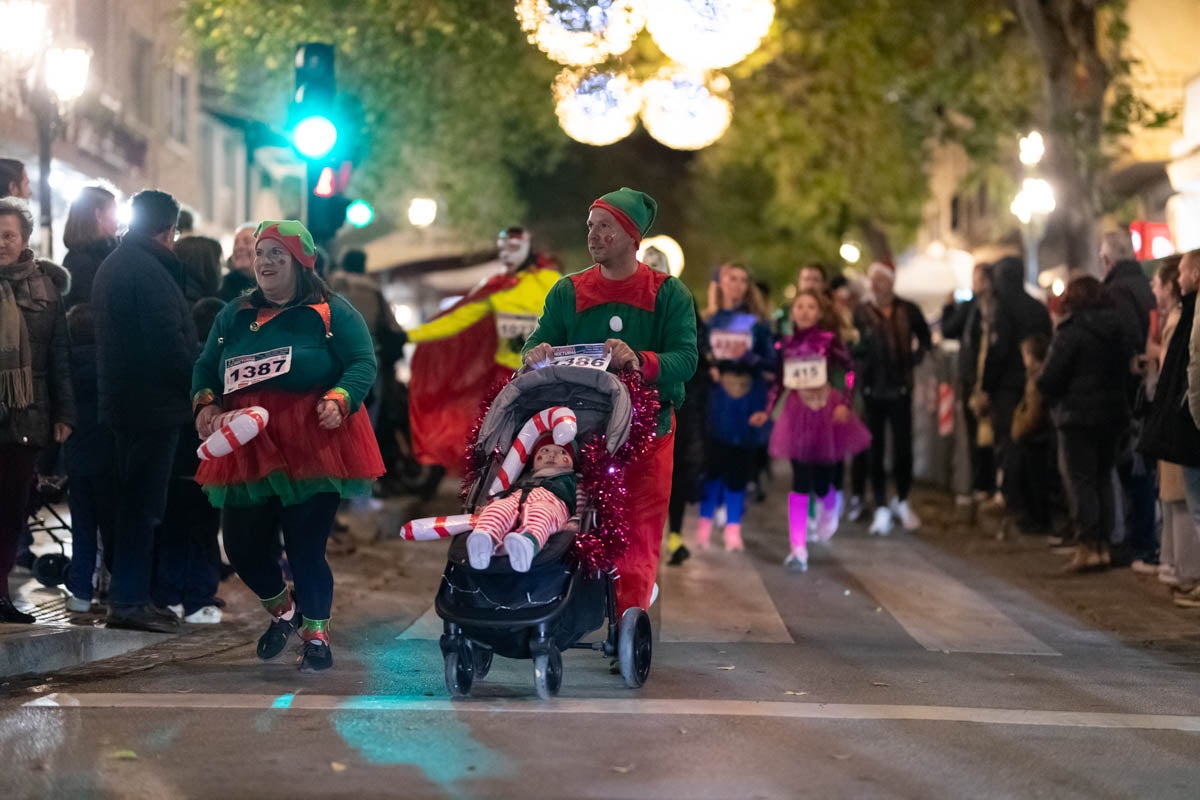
(275, 271)
(551, 456)
(806, 312)
(514, 248)
(607, 242)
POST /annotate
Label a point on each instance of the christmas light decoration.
(709, 34)
(596, 108)
(685, 110)
(581, 32)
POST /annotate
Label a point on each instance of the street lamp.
(52, 77)
(1032, 207)
(422, 212)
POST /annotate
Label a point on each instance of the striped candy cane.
(558, 419)
(431, 528)
(234, 429)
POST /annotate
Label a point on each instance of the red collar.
(639, 290)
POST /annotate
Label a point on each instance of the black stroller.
(540, 613)
(50, 569)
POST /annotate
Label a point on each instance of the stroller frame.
(587, 600)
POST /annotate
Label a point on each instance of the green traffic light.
(315, 136)
(359, 214)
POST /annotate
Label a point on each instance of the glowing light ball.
(668, 247)
(596, 108)
(686, 111)
(709, 34)
(581, 32)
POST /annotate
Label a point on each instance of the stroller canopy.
(600, 402)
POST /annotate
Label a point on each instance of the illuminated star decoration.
(596, 108)
(709, 34)
(581, 32)
(686, 111)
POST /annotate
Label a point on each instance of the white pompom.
(616, 324)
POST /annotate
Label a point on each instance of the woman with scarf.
(36, 403)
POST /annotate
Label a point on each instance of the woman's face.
(20, 189)
(805, 312)
(734, 283)
(274, 270)
(106, 220)
(12, 242)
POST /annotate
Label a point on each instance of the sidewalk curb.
(44, 648)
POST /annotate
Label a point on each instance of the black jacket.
(962, 321)
(1084, 377)
(1129, 289)
(1169, 432)
(146, 341)
(82, 263)
(1018, 316)
(89, 451)
(884, 372)
(53, 400)
(234, 285)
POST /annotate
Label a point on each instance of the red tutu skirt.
(809, 435)
(294, 457)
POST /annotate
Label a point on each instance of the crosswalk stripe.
(939, 612)
(718, 597)
(632, 707)
(427, 627)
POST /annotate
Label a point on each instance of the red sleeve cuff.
(649, 365)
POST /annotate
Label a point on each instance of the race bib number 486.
(805, 373)
(243, 371)
(581, 355)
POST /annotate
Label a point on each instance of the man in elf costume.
(473, 345)
(646, 321)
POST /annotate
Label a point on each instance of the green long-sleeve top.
(339, 356)
(649, 311)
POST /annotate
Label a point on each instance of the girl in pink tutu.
(816, 429)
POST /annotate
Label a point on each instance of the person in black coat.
(965, 322)
(90, 235)
(1018, 317)
(240, 277)
(1128, 288)
(146, 346)
(1083, 381)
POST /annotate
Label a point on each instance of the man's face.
(514, 248)
(243, 251)
(1189, 274)
(811, 280)
(607, 241)
(551, 455)
(12, 243)
(881, 286)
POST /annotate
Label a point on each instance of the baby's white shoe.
(479, 549)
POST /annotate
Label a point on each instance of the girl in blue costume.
(742, 359)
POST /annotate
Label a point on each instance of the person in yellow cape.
(475, 344)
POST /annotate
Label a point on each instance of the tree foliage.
(455, 102)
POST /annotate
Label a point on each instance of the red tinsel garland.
(602, 474)
(473, 462)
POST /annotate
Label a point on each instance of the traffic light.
(326, 204)
(360, 214)
(313, 117)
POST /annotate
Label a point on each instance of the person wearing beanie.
(895, 337)
(301, 352)
(523, 517)
(646, 321)
(482, 335)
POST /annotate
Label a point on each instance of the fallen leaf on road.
(797, 694)
(878, 609)
(726, 668)
(683, 731)
(337, 766)
(879, 683)
(123, 755)
(842, 756)
(624, 770)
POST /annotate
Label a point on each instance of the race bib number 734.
(243, 371)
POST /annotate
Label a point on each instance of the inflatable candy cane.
(430, 528)
(558, 419)
(234, 429)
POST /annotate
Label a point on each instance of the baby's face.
(549, 456)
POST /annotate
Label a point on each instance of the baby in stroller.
(524, 516)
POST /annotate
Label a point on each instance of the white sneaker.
(882, 525)
(797, 560)
(521, 550)
(654, 593)
(177, 610)
(479, 549)
(907, 518)
(855, 511)
(208, 615)
(78, 605)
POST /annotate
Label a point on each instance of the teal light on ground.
(359, 214)
(315, 136)
(283, 701)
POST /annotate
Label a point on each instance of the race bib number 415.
(581, 355)
(805, 373)
(244, 371)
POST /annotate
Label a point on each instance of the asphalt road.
(942, 664)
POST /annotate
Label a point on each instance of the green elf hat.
(293, 236)
(634, 211)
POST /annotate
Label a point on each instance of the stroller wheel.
(547, 673)
(483, 660)
(460, 670)
(634, 647)
(51, 569)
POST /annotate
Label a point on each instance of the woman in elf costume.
(305, 355)
(646, 321)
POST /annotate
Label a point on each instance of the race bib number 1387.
(244, 371)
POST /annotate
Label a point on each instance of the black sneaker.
(9, 613)
(141, 618)
(276, 636)
(680, 555)
(316, 656)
